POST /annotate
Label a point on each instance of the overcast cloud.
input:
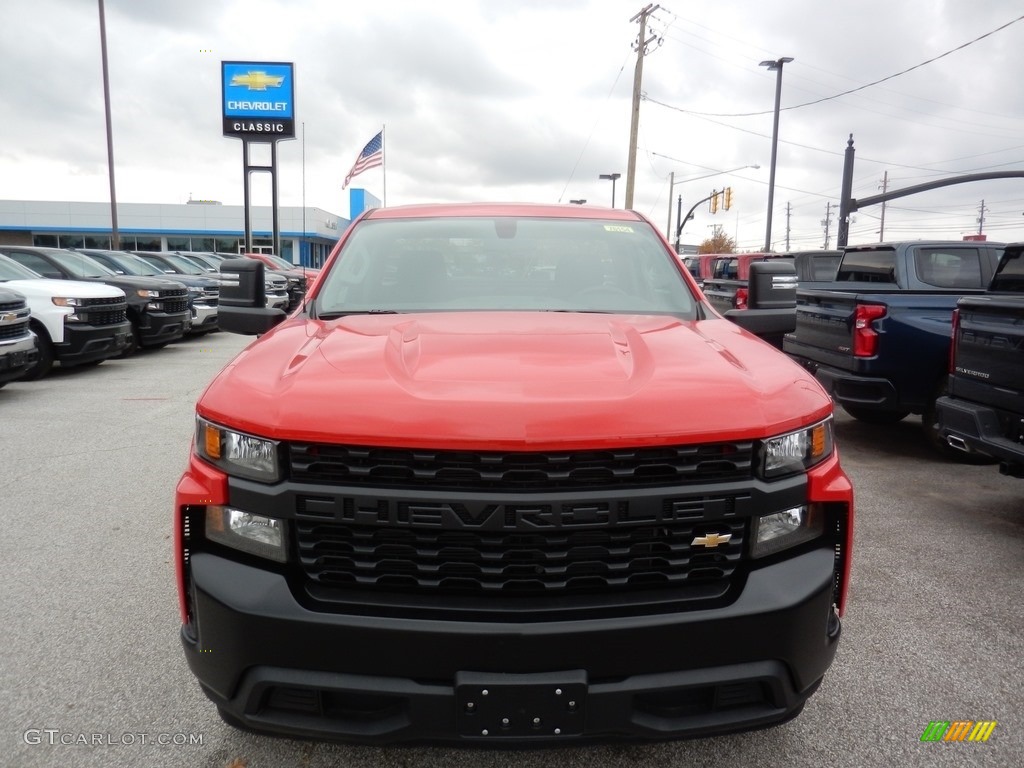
(530, 100)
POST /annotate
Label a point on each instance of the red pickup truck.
(506, 478)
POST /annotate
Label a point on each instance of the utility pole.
(642, 42)
(789, 213)
(115, 235)
(981, 216)
(884, 188)
(671, 186)
(827, 221)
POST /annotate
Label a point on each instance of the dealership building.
(307, 234)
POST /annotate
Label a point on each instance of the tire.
(44, 363)
(935, 438)
(872, 416)
(133, 342)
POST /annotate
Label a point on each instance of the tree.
(718, 243)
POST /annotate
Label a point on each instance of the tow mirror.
(243, 299)
(771, 301)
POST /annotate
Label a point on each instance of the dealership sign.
(258, 100)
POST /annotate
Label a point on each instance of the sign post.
(258, 107)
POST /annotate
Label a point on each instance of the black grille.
(176, 305)
(631, 467)
(11, 306)
(14, 330)
(104, 302)
(111, 317)
(478, 562)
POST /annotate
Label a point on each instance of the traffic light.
(714, 201)
(728, 198)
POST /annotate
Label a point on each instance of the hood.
(131, 283)
(48, 288)
(508, 381)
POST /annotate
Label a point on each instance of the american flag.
(371, 156)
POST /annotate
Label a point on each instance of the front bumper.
(85, 343)
(204, 318)
(273, 665)
(277, 301)
(16, 357)
(848, 388)
(157, 328)
(272, 661)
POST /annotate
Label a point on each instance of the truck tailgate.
(990, 348)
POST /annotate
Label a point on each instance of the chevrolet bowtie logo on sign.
(258, 100)
(712, 540)
(257, 81)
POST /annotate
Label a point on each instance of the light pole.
(775, 66)
(611, 177)
(672, 185)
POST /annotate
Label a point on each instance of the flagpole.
(384, 163)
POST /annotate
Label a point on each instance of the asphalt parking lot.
(93, 674)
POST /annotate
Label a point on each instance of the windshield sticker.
(617, 228)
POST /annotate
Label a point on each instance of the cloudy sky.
(529, 100)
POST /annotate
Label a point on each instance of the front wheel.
(44, 362)
(874, 416)
(133, 342)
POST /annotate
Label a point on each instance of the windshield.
(80, 265)
(204, 263)
(12, 270)
(1010, 275)
(478, 263)
(127, 263)
(181, 264)
(278, 262)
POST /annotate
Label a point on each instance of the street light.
(672, 185)
(775, 66)
(578, 202)
(611, 177)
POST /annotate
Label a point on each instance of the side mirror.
(243, 299)
(771, 301)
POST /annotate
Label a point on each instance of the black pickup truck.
(157, 308)
(984, 410)
(878, 337)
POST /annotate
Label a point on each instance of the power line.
(860, 87)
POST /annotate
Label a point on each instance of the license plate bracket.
(547, 704)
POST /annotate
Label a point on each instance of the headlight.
(144, 294)
(255, 534)
(67, 301)
(797, 451)
(195, 290)
(782, 530)
(238, 454)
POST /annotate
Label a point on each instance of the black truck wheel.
(44, 362)
(133, 341)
